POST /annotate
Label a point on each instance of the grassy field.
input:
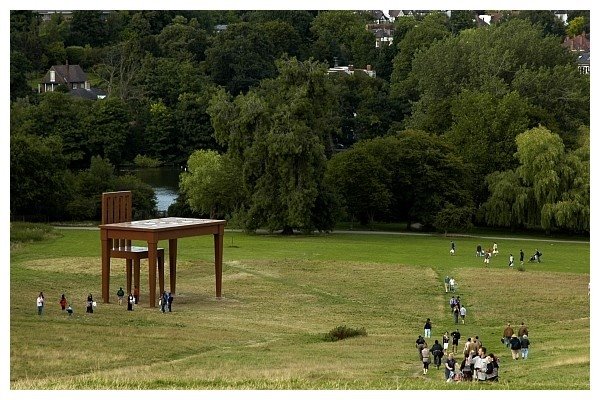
(281, 295)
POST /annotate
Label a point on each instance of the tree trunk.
(287, 230)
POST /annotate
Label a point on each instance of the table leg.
(152, 272)
(136, 280)
(218, 239)
(173, 264)
(105, 267)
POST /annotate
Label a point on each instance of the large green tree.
(279, 133)
(341, 35)
(212, 184)
(414, 175)
(479, 60)
(240, 57)
(39, 184)
(549, 189)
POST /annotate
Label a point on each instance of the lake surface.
(164, 181)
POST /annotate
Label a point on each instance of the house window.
(52, 76)
(74, 86)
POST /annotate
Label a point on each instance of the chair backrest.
(116, 207)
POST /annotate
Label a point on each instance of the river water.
(164, 181)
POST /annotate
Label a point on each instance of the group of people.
(476, 363)
(165, 301)
(450, 284)
(487, 254)
(64, 304)
(458, 309)
(518, 342)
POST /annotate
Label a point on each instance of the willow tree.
(549, 189)
(279, 133)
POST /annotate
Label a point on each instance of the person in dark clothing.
(522, 256)
(437, 352)
(515, 347)
(163, 302)
(130, 302)
(455, 338)
(524, 347)
(419, 344)
(90, 304)
(170, 300)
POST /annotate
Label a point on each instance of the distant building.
(583, 63)
(579, 43)
(73, 78)
(350, 70)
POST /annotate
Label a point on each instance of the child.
(63, 302)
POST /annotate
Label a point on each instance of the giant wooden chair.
(116, 207)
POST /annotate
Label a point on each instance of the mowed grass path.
(280, 296)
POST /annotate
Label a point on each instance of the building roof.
(583, 59)
(578, 43)
(90, 94)
(65, 74)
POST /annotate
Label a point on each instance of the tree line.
(462, 125)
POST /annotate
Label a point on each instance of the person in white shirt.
(40, 303)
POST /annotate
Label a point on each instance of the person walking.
(425, 357)
(479, 253)
(445, 341)
(130, 302)
(452, 285)
(495, 249)
(419, 344)
(63, 302)
(521, 257)
(455, 339)
(164, 300)
(486, 258)
(120, 295)
(452, 248)
(447, 283)
(449, 367)
(456, 312)
(40, 303)
(170, 301)
(452, 303)
(523, 330)
(525, 347)
(437, 351)
(90, 304)
(515, 346)
(463, 314)
(465, 367)
(492, 368)
(427, 328)
(481, 365)
(508, 332)
(511, 261)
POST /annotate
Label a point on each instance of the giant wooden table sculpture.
(153, 230)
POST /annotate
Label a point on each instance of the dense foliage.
(244, 99)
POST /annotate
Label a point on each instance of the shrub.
(343, 332)
(21, 232)
(146, 162)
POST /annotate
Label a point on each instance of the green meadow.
(281, 296)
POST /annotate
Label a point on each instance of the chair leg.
(136, 279)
